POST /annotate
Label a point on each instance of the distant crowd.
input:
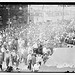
(16, 50)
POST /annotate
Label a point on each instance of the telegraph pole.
(63, 13)
(9, 23)
(43, 12)
(28, 14)
(9, 16)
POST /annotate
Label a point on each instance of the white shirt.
(36, 67)
(29, 57)
(7, 55)
(10, 42)
(30, 50)
(17, 56)
(35, 45)
(44, 50)
(2, 49)
(38, 58)
(21, 45)
(22, 50)
(4, 65)
(13, 53)
(21, 42)
(0, 37)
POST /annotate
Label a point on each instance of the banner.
(62, 57)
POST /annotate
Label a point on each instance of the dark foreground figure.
(9, 69)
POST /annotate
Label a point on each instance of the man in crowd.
(36, 67)
(40, 50)
(7, 58)
(35, 48)
(29, 61)
(33, 59)
(1, 59)
(45, 57)
(44, 50)
(1, 37)
(35, 45)
(21, 48)
(13, 57)
(3, 51)
(25, 54)
(30, 50)
(39, 58)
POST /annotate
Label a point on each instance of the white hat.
(35, 45)
(7, 50)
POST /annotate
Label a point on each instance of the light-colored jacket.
(36, 67)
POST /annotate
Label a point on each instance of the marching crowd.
(14, 52)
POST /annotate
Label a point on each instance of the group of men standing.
(14, 53)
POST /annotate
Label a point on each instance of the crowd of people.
(13, 52)
(70, 39)
(17, 50)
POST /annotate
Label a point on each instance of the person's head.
(7, 51)
(13, 50)
(34, 55)
(0, 43)
(16, 38)
(39, 54)
(37, 63)
(5, 47)
(45, 54)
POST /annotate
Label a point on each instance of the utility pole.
(28, 14)
(43, 12)
(9, 22)
(63, 12)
